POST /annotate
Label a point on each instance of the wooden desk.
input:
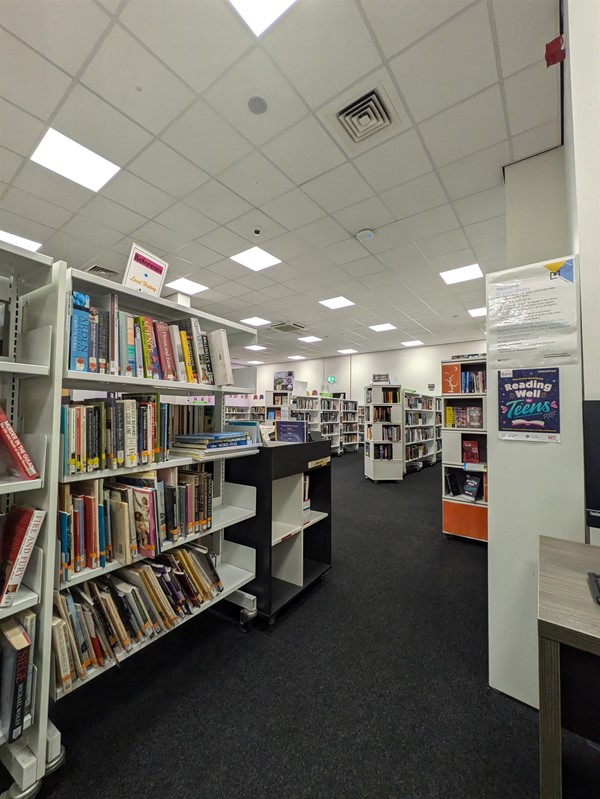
(567, 616)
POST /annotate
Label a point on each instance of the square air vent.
(101, 270)
(365, 116)
(288, 327)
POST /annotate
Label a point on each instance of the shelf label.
(319, 462)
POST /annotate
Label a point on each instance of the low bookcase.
(291, 531)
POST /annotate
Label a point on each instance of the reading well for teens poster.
(529, 404)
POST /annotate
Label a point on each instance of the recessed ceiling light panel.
(478, 311)
(296, 358)
(255, 347)
(73, 161)
(186, 286)
(347, 352)
(336, 302)
(461, 274)
(310, 339)
(255, 259)
(415, 343)
(256, 363)
(261, 14)
(19, 241)
(255, 321)
(382, 328)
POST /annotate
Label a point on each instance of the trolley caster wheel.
(247, 620)
(246, 626)
(272, 621)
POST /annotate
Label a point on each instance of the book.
(165, 351)
(18, 534)
(93, 340)
(451, 378)
(475, 416)
(14, 648)
(79, 331)
(204, 374)
(471, 487)
(220, 358)
(452, 486)
(28, 621)
(19, 461)
(470, 451)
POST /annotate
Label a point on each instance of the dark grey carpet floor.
(373, 685)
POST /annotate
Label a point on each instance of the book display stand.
(291, 531)
(361, 424)
(384, 432)
(330, 417)
(419, 430)
(464, 448)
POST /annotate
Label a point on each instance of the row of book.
(103, 620)
(391, 432)
(329, 416)
(391, 395)
(469, 488)
(473, 382)
(380, 414)
(416, 451)
(17, 675)
(417, 402)
(417, 417)
(470, 451)
(330, 404)
(459, 416)
(132, 518)
(106, 340)
(329, 429)
(413, 434)
(383, 452)
(306, 404)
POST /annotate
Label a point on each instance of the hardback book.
(471, 487)
(27, 619)
(138, 347)
(18, 534)
(470, 451)
(110, 304)
(191, 375)
(18, 459)
(64, 677)
(79, 331)
(93, 345)
(198, 339)
(452, 485)
(127, 344)
(14, 647)
(149, 348)
(165, 353)
(207, 359)
(178, 353)
(475, 416)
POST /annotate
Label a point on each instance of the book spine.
(131, 453)
(79, 342)
(188, 360)
(139, 348)
(61, 659)
(19, 695)
(180, 370)
(103, 341)
(14, 578)
(199, 350)
(18, 454)
(149, 349)
(28, 620)
(209, 369)
(165, 352)
(123, 346)
(93, 341)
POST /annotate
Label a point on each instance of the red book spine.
(19, 457)
(77, 539)
(19, 694)
(165, 350)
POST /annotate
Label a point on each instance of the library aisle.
(373, 685)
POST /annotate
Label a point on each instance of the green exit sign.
(331, 379)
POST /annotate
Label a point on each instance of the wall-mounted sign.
(381, 380)
(145, 272)
(529, 405)
(431, 386)
(331, 379)
(283, 381)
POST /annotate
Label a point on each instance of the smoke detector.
(365, 235)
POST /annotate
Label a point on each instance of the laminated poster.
(145, 271)
(532, 315)
(283, 381)
(529, 405)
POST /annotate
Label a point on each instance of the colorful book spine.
(165, 352)
(139, 348)
(176, 345)
(149, 349)
(188, 358)
(93, 340)
(16, 451)
(79, 344)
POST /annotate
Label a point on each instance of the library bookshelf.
(464, 448)
(361, 424)
(384, 433)
(438, 427)
(307, 409)
(349, 424)
(419, 430)
(278, 405)
(291, 531)
(330, 420)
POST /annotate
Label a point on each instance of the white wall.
(534, 488)
(413, 368)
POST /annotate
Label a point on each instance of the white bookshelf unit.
(278, 405)
(384, 433)
(361, 425)
(438, 427)
(419, 430)
(307, 409)
(237, 408)
(464, 447)
(330, 410)
(349, 425)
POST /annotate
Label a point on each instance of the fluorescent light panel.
(461, 274)
(310, 339)
(256, 363)
(255, 259)
(296, 358)
(382, 328)
(73, 161)
(336, 302)
(478, 311)
(255, 347)
(415, 343)
(255, 321)
(19, 241)
(186, 286)
(261, 14)
(347, 352)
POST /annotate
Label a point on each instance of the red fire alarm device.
(555, 51)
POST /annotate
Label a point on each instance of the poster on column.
(529, 405)
(532, 315)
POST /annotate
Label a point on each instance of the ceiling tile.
(488, 250)
(111, 214)
(124, 246)
(338, 189)
(42, 26)
(415, 196)
(368, 214)
(85, 229)
(19, 131)
(475, 172)
(197, 255)
(345, 251)
(329, 69)
(321, 233)
(52, 187)
(254, 75)
(484, 205)
(110, 5)
(203, 276)
(217, 202)
(364, 267)
(399, 23)
(466, 128)
(28, 228)
(311, 262)
(487, 230)
(31, 207)
(536, 140)
(391, 235)
(320, 153)
(429, 223)
(293, 209)
(124, 73)
(288, 246)
(436, 73)
(443, 243)
(189, 36)
(136, 194)
(76, 252)
(233, 289)
(452, 260)
(202, 136)
(521, 44)
(394, 162)
(405, 255)
(246, 224)
(255, 179)
(27, 79)
(532, 97)
(186, 220)
(225, 242)
(167, 170)
(256, 281)
(90, 121)
(162, 237)
(9, 163)
(283, 272)
(279, 290)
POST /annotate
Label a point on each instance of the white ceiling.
(160, 87)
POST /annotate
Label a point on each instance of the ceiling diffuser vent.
(101, 270)
(365, 116)
(288, 327)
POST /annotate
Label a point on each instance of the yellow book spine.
(187, 357)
